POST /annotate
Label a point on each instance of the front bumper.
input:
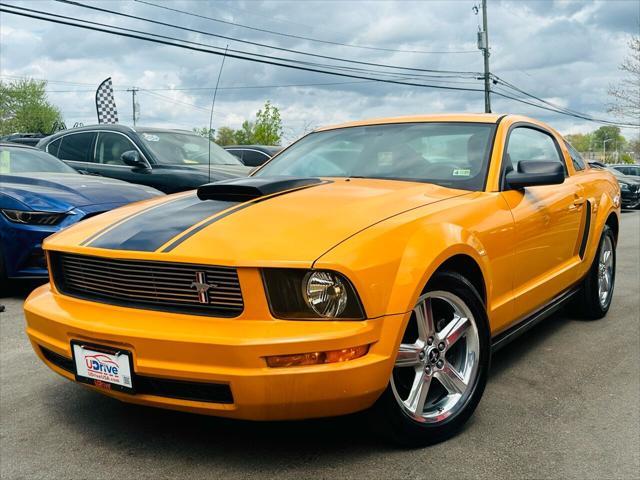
(630, 199)
(226, 352)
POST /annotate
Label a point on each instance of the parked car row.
(169, 160)
(79, 173)
(629, 184)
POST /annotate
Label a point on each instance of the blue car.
(40, 195)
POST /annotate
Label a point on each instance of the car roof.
(267, 148)
(115, 127)
(448, 117)
(18, 145)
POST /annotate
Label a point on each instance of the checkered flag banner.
(105, 103)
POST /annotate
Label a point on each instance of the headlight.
(624, 187)
(307, 294)
(325, 293)
(33, 218)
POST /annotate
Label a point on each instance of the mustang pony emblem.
(202, 287)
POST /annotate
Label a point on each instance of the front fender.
(391, 262)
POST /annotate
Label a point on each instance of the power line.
(270, 57)
(262, 45)
(563, 112)
(173, 100)
(251, 87)
(497, 80)
(300, 37)
(140, 36)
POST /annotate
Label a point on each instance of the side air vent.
(245, 189)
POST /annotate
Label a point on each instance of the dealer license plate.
(103, 367)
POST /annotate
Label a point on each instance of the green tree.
(226, 136)
(268, 125)
(580, 141)
(205, 132)
(24, 108)
(615, 142)
(245, 135)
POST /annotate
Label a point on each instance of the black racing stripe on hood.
(239, 207)
(95, 235)
(150, 230)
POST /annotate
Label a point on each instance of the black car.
(253, 155)
(169, 160)
(630, 169)
(629, 186)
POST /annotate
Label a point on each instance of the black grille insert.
(58, 360)
(161, 387)
(164, 286)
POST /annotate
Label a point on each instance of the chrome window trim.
(95, 146)
(249, 150)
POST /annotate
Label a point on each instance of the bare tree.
(626, 95)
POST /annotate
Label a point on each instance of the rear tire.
(441, 367)
(594, 298)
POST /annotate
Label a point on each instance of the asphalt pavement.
(561, 402)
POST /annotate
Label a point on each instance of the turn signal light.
(317, 358)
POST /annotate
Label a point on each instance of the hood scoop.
(250, 188)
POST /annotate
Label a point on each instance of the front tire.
(594, 298)
(441, 367)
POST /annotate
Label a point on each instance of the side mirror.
(133, 159)
(532, 173)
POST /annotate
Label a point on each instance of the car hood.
(60, 192)
(290, 228)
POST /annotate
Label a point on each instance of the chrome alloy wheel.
(437, 361)
(605, 272)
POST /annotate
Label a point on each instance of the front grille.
(149, 285)
(161, 387)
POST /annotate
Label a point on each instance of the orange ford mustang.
(372, 265)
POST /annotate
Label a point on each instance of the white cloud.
(564, 51)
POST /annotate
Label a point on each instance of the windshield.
(448, 154)
(25, 160)
(171, 148)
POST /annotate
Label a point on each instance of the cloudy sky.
(566, 52)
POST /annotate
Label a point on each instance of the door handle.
(577, 203)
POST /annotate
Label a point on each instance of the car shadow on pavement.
(151, 432)
(515, 350)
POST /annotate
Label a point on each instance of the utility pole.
(134, 104)
(483, 44)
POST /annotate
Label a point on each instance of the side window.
(236, 153)
(76, 147)
(576, 158)
(110, 146)
(254, 159)
(530, 144)
(53, 147)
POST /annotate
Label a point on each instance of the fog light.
(317, 358)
